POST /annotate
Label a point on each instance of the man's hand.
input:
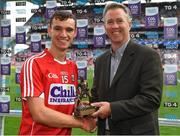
(104, 109)
(89, 124)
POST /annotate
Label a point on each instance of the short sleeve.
(31, 79)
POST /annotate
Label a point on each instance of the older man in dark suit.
(128, 79)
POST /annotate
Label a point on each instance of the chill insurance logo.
(62, 94)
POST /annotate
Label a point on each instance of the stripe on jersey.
(32, 128)
(28, 79)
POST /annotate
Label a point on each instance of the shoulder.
(37, 57)
(71, 63)
(142, 49)
(148, 51)
(103, 56)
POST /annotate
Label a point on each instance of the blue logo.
(170, 93)
(62, 94)
(170, 116)
(59, 91)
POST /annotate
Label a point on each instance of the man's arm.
(44, 115)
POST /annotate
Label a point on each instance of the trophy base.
(84, 110)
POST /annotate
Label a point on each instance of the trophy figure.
(83, 108)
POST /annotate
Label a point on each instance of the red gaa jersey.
(56, 82)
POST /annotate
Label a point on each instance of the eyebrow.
(56, 26)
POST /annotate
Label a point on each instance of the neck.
(58, 54)
(115, 46)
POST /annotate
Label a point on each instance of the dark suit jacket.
(135, 92)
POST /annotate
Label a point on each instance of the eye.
(119, 21)
(69, 30)
(109, 22)
(57, 28)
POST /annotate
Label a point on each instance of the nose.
(114, 25)
(63, 33)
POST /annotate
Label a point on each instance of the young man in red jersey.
(48, 85)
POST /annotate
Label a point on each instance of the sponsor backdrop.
(23, 33)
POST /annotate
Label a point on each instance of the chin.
(117, 41)
(63, 46)
(63, 49)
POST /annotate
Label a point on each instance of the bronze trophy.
(82, 108)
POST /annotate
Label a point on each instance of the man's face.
(62, 33)
(117, 26)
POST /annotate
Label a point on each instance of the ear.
(75, 32)
(104, 26)
(49, 30)
(130, 25)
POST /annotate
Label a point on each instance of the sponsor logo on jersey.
(62, 94)
(63, 73)
(52, 75)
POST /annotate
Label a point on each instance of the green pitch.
(12, 123)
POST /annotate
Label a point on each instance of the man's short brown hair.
(115, 5)
(62, 15)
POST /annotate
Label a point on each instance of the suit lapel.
(106, 70)
(125, 61)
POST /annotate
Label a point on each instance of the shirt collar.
(120, 50)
